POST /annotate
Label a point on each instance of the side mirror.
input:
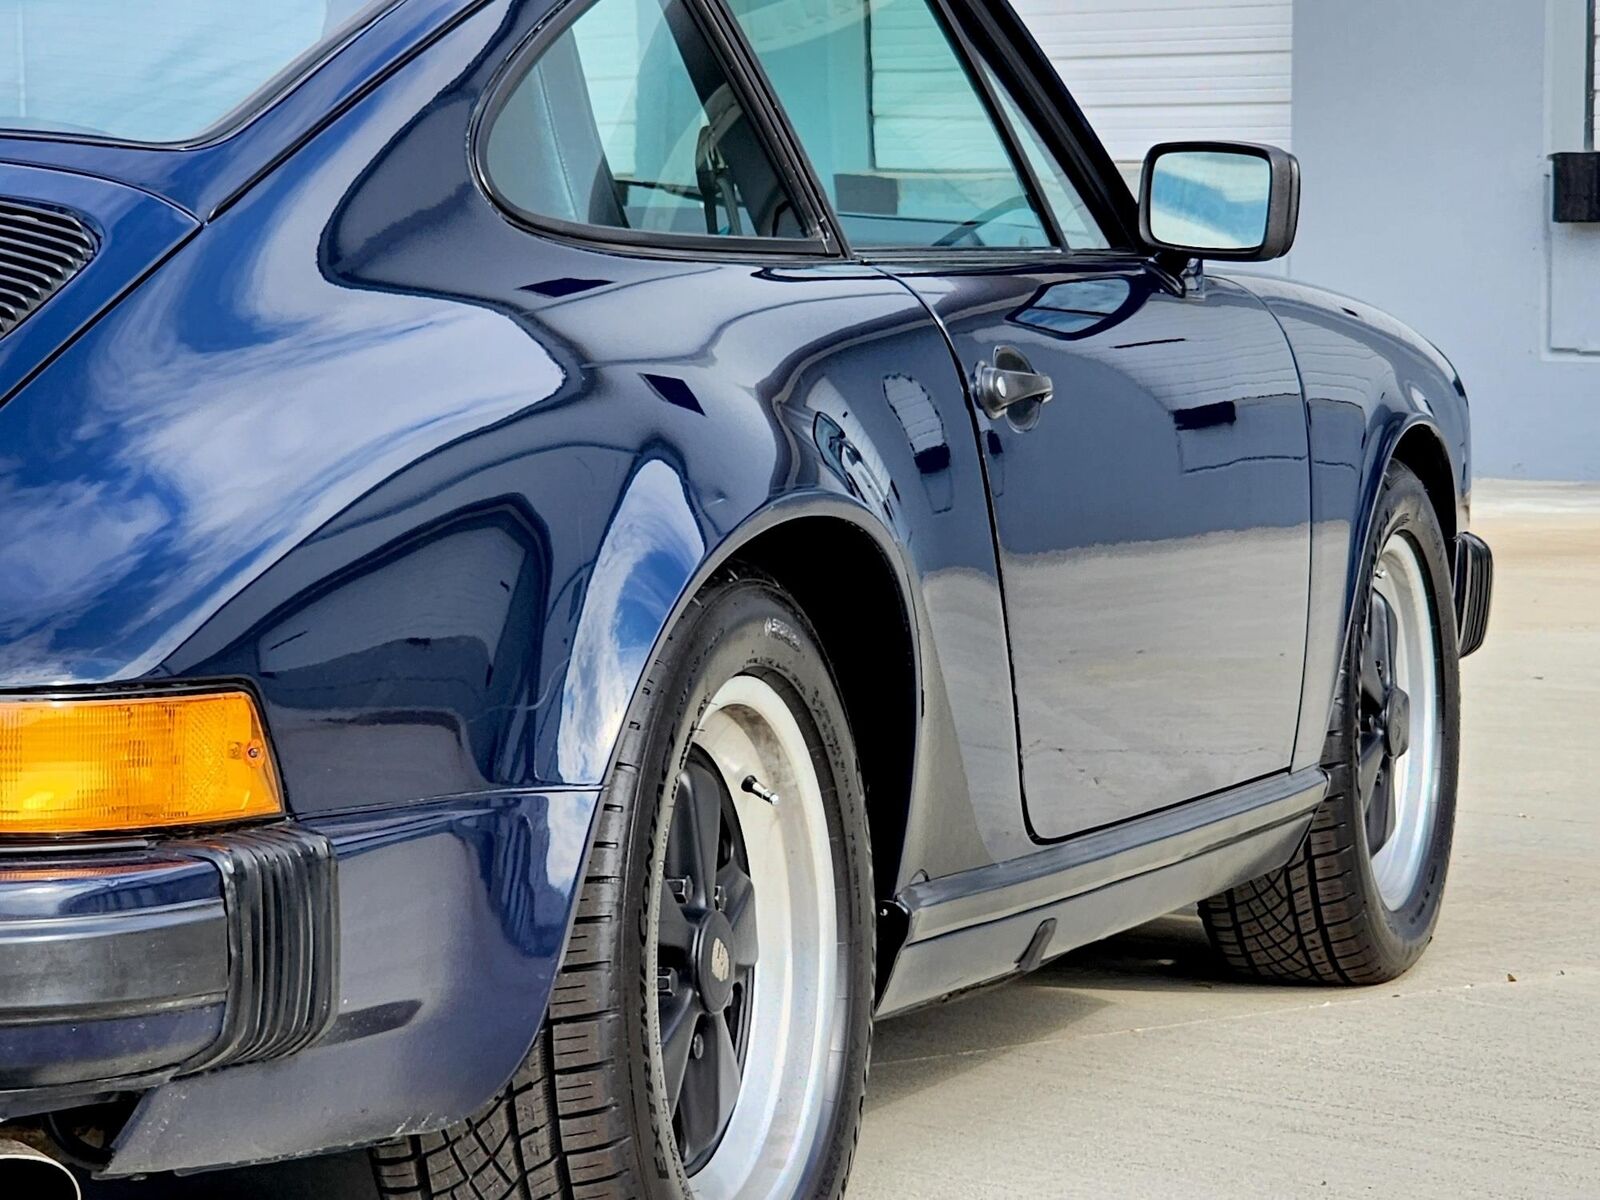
(1226, 200)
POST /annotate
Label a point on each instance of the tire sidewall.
(738, 627)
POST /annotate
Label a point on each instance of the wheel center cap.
(714, 961)
(1397, 723)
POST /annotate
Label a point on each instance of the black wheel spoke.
(681, 846)
(699, 1103)
(676, 927)
(726, 1064)
(1369, 765)
(680, 1015)
(739, 906)
(696, 827)
(1377, 667)
(1391, 644)
(1375, 762)
(1380, 807)
(706, 950)
(1374, 770)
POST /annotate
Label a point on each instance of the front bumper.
(124, 967)
(1474, 585)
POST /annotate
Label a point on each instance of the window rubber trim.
(650, 243)
(796, 161)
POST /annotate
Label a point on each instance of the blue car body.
(320, 421)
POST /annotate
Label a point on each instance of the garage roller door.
(1147, 71)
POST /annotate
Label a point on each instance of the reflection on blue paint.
(1081, 307)
(652, 548)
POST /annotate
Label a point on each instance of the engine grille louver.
(40, 249)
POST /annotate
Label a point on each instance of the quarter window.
(1073, 218)
(627, 121)
(894, 124)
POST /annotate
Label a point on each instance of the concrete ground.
(1134, 1068)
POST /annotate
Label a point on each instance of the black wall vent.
(40, 249)
(1576, 191)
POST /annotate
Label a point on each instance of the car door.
(664, 250)
(1143, 436)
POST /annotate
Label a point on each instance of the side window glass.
(1076, 222)
(893, 122)
(627, 121)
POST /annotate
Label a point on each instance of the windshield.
(156, 70)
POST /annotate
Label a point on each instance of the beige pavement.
(1133, 1068)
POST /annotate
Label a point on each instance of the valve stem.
(756, 788)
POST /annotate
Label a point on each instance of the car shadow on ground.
(915, 1051)
(1170, 953)
(332, 1177)
(1167, 954)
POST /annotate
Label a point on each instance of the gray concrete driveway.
(1134, 1068)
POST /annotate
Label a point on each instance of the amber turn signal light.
(96, 765)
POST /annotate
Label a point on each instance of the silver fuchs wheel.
(750, 1018)
(1401, 728)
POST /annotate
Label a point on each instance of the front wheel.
(1359, 901)
(709, 1030)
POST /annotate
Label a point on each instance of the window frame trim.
(820, 244)
(972, 60)
(961, 48)
(993, 77)
(1044, 98)
(1045, 101)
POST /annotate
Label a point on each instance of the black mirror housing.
(1276, 214)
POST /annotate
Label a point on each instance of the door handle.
(1008, 381)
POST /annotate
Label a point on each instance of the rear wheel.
(1359, 901)
(709, 1031)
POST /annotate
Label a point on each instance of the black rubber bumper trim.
(1474, 586)
(171, 957)
(105, 965)
(280, 888)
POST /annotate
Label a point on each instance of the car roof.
(203, 177)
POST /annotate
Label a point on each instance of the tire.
(1359, 901)
(588, 1116)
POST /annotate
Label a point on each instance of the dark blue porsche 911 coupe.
(558, 558)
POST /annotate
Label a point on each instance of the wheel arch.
(844, 582)
(1416, 443)
(1420, 446)
(849, 576)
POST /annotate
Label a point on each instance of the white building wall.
(1146, 71)
(1424, 131)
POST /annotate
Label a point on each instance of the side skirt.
(965, 930)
